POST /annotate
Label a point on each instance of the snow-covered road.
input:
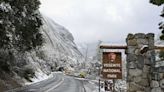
(58, 83)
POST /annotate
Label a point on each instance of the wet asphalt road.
(58, 83)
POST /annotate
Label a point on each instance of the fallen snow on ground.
(39, 77)
(92, 85)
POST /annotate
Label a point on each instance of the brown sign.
(112, 65)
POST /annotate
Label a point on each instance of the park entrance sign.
(141, 64)
(112, 65)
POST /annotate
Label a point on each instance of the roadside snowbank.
(39, 77)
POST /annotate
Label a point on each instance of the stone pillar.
(140, 58)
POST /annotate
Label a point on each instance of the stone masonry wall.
(140, 58)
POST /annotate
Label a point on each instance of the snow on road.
(39, 77)
(90, 85)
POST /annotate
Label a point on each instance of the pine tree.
(20, 25)
(157, 2)
(161, 25)
(4, 25)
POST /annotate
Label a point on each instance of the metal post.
(100, 52)
(99, 77)
(113, 85)
(99, 85)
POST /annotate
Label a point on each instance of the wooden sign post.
(112, 65)
(111, 68)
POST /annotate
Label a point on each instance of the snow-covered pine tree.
(161, 24)
(20, 24)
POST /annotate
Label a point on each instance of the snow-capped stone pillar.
(140, 58)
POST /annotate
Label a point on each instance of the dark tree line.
(157, 2)
(161, 24)
(20, 22)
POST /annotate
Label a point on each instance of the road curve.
(58, 83)
(70, 84)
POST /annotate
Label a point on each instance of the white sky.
(106, 20)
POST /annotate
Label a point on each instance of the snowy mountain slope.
(59, 43)
(59, 50)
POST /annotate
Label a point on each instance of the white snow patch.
(92, 87)
(159, 63)
(39, 77)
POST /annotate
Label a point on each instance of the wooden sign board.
(112, 65)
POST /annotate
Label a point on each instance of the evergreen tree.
(157, 2)
(20, 23)
(4, 25)
(161, 25)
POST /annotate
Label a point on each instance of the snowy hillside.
(60, 42)
(59, 49)
(24, 55)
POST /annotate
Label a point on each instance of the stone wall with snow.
(142, 76)
(139, 61)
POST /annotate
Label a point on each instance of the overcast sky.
(106, 20)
